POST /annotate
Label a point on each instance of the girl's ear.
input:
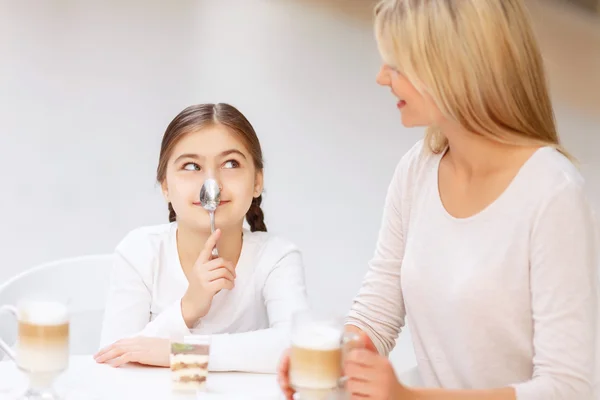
(165, 190)
(258, 184)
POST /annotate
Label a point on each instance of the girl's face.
(217, 153)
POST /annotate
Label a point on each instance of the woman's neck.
(190, 243)
(473, 155)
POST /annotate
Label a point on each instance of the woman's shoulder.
(417, 157)
(549, 172)
(412, 165)
(558, 168)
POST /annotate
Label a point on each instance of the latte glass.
(318, 347)
(42, 348)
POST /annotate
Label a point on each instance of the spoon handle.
(215, 252)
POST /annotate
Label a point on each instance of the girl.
(165, 282)
(488, 244)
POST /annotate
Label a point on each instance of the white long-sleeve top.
(249, 325)
(507, 297)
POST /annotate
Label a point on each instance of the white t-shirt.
(508, 296)
(250, 324)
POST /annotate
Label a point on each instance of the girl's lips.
(197, 203)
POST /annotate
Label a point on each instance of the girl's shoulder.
(147, 235)
(267, 250)
(144, 244)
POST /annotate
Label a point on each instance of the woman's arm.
(564, 264)
(284, 293)
(493, 394)
(378, 309)
(371, 375)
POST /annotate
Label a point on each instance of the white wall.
(86, 92)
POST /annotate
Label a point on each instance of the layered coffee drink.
(43, 342)
(315, 360)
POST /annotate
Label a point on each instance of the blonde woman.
(488, 245)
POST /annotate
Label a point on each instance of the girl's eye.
(191, 166)
(231, 164)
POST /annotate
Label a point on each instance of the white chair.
(83, 281)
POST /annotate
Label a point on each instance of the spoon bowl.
(210, 197)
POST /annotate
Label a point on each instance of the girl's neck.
(190, 243)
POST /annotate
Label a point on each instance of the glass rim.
(319, 315)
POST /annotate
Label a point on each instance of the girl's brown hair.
(200, 116)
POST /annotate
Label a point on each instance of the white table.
(102, 382)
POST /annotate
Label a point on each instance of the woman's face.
(213, 152)
(416, 109)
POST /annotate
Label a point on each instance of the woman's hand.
(283, 371)
(142, 350)
(371, 376)
(283, 375)
(208, 277)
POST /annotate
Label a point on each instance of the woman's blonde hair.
(478, 60)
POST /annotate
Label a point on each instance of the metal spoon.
(210, 197)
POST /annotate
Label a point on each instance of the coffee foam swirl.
(44, 313)
(317, 337)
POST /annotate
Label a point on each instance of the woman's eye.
(392, 69)
(191, 166)
(231, 164)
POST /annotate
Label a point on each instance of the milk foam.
(44, 313)
(317, 337)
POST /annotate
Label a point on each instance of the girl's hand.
(143, 350)
(207, 279)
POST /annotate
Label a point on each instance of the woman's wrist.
(367, 341)
(409, 394)
(507, 393)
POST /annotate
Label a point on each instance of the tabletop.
(87, 380)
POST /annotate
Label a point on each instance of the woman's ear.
(258, 184)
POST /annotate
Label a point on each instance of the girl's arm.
(127, 311)
(284, 293)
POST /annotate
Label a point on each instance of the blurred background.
(88, 88)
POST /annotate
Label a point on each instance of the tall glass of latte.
(318, 346)
(42, 348)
